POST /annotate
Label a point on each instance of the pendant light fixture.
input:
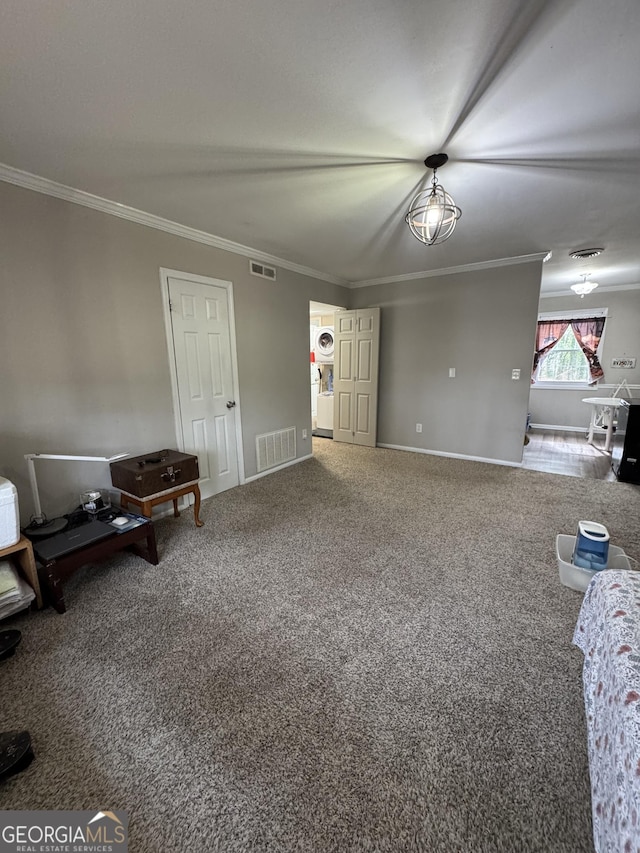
(432, 214)
(584, 286)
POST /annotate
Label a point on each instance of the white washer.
(323, 344)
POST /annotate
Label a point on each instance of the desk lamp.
(39, 524)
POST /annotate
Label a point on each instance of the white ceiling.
(299, 127)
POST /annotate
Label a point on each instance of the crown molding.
(480, 265)
(27, 180)
(11, 175)
(569, 292)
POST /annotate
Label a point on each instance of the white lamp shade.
(584, 287)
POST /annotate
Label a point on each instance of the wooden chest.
(154, 472)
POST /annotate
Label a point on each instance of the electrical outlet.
(418, 427)
(304, 433)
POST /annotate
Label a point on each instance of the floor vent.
(275, 448)
(262, 270)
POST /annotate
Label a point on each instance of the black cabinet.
(625, 451)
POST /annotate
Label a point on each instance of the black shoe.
(8, 642)
(15, 753)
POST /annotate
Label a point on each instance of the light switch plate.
(515, 373)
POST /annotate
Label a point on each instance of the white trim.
(236, 383)
(573, 314)
(278, 468)
(46, 186)
(554, 293)
(481, 265)
(579, 386)
(171, 357)
(565, 386)
(10, 175)
(165, 275)
(453, 455)
(559, 428)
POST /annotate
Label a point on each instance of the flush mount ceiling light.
(584, 286)
(432, 214)
(581, 254)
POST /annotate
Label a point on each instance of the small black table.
(53, 573)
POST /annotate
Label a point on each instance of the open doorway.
(321, 359)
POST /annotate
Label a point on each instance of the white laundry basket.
(575, 576)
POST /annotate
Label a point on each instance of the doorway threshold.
(322, 433)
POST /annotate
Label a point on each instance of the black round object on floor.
(8, 642)
(15, 753)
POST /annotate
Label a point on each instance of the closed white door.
(204, 374)
(355, 383)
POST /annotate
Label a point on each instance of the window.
(565, 362)
(566, 350)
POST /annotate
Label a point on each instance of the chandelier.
(432, 214)
(584, 286)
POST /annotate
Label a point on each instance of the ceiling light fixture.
(584, 286)
(432, 214)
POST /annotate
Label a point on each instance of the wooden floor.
(567, 453)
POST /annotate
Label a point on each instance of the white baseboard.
(583, 430)
(560, 428)
(277, 468)
(453, 455)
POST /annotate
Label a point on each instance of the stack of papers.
(15, 593)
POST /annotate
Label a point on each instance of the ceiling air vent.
(262, 270)
(581, 254)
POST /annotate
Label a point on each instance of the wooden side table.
(23, 550)
(147, 503)
(56, 572)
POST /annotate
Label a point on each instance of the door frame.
(165, 275)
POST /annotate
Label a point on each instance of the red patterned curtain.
(588, 333)
(547, 336)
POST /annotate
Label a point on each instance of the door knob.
(231, 404)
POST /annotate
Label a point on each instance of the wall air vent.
(581, 254)
(256, 268)
(275, 448)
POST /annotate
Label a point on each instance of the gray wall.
(432, 324)
(565, 408)
(83, 349)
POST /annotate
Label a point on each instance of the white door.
(201, 332)
(355, 381)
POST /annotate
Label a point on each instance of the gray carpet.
(369, 651)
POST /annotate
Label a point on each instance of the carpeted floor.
(368, 651)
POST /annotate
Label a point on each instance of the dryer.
(323, 344)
